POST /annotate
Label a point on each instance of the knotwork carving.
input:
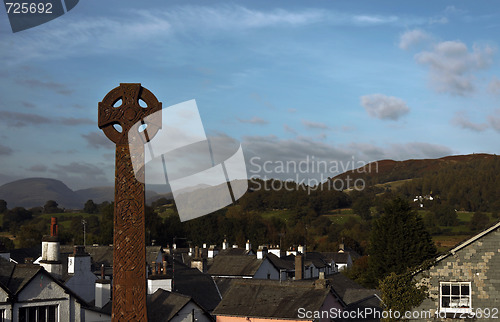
(129, 251)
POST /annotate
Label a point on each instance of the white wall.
(92, 316)
(7, 308)
(163, 283)
(83, 280)
(185, 315)
(267, 268)
(42, 290)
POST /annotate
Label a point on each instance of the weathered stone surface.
(477, 263)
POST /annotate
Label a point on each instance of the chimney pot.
(79, 250)
(53, 227)
(299, 267)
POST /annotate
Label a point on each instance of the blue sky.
(338, 80)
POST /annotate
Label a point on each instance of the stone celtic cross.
(129, 248)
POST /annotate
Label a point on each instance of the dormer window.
(455, 297)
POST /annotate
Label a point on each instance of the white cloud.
(452, 10)
(38, 168)
(315, 125)
(260, 149)
(98, 140)
(438, 20)
(374, 20)
(66, 37)
(254, 120)
(418, 150)
(232, 17)
(384, 107)
(289, 129)
(462, 120)
(5, 150)
(131, 31)
(494, 86)
(452, 66)
(413, 37)
(494, 120)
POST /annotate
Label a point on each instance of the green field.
(281, 214)
(393, 184)
(342, 219)
(446, 242)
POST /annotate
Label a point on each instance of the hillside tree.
(90, 207)
(400, 293)
(51, 207)
(3, 206)
(398, 240)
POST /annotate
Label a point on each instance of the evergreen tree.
(51, 207)
(398, 240)
(90, 207)
(400, 293)
(3, 206)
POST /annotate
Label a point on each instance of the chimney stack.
(153, 270)
(53, 227)
(51, 251)
(164, 267)
(248, 246)
(262, 252)
(299, 267)
(321, 282)
(102, 290)
(225, 244)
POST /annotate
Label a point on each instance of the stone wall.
(477, 263)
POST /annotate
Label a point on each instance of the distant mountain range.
(34, 192)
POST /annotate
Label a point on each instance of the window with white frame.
(46, 313)
(455, 296)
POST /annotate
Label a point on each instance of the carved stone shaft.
(129, 251)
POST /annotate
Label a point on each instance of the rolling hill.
(34, 192)
(389, 170)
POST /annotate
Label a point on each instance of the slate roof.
(270, 299)
(233, 252)
(348, 290)
(373, 302)
(338, 258)
(103, 254)
(242, 265)
(21, 275)
(14, 277)
(164, 305)
(199, 286)
(224, 284)
(286, 263)
(315, 258)
(20, 254)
